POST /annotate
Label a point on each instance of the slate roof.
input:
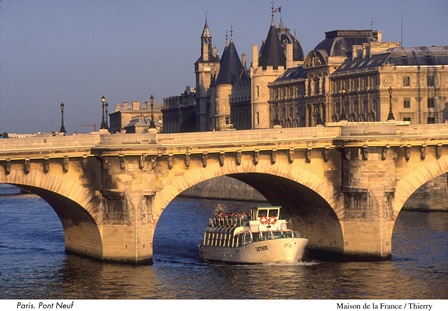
(292, 73)
(412, 56)
(271, 53)
(206, 34)
(286, 37)
(231, 68)
(340, 42)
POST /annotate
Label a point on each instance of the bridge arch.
(307, 199)
(75, 206)
(416, 177)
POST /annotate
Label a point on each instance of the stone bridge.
(343, 185)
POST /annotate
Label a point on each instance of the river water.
(35, 266)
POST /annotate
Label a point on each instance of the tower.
(231, 71)
(265, 68)
(206, 68)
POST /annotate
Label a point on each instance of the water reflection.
(34, 264)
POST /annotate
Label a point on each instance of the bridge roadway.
(343, 185)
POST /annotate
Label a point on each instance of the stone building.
(279, 52)
(230, 96)
(135, 117)
(231, 73)
(179, 112)
(353, 76)
(405, 84)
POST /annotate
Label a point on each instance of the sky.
(75, 52)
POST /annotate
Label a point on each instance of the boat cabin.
(262, 223)
(258, 213)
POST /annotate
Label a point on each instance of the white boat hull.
(283, 250)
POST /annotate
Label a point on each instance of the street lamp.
(152, 124)
(103, 123)
(62, 129)
(343, 115)
(390, 117)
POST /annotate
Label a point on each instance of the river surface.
(34, 265)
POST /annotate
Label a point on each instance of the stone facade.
(179, 112)
(135, 117)
(374, 81)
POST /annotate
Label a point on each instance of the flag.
(279, 10)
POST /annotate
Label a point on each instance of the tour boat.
(259, 237)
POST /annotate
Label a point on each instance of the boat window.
(273, 212)
(262, 213)
(248, 237)
(277, 234)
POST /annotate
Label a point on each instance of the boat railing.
(228, 221)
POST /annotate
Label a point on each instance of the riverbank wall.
(433, 196)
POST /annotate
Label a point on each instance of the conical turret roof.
(272, 53)
(206, 31)
(231, 68)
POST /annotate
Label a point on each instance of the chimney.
(254, 56)
(243, 60)
(289, 56)
(135, 105)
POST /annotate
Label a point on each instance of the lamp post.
(106, 115)
(62, 129)
(152, 124)
(103, 123)
(343, 115)
(390, 117)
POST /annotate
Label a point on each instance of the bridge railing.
(48, 142)
(333, 131)
(430, 130)
(281, 134)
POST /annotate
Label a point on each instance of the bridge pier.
(127, 229)
(368, 188)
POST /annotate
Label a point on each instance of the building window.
(257, 118)
(407, 119)
(316, 86)
(430, 81)
(431, 102)
(407, 103)
(406, 81)
(258, 91)
(431, 120)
